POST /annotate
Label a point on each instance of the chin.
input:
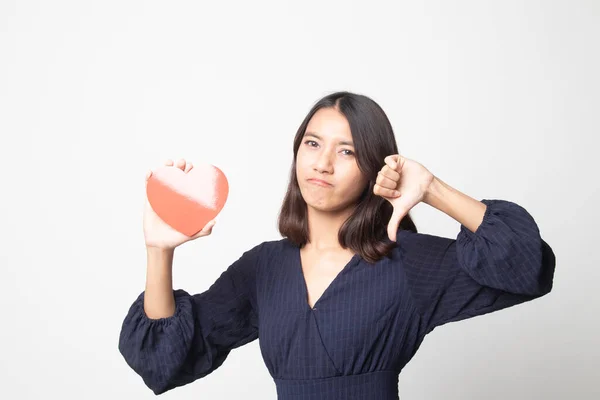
(321, 203)
(325, 205)
(321, 207)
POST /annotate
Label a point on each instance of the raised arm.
(503, 263)
(197, 338)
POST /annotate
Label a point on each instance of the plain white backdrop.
(500, 99)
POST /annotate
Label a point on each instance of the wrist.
(159, 251)
(433, 192)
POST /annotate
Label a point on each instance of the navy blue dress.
(365, 327)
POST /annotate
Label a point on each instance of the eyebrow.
(320, 138)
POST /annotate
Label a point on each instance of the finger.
(206, 231)
(169, 162)
(392, 164)
(390, 172)
(180, 164)
(394, 223)
(385, 181)
(399, 160)
(210, 224)
(384, 192)
(188, 167)
(208, 227)
(395, 161)
(391, 160)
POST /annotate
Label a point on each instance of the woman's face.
(326, 153)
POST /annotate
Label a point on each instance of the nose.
(323, 162)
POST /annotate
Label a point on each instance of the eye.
(307, 142)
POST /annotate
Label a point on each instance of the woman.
(345, 299)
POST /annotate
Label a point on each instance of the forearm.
(159, 301)
(464, 209)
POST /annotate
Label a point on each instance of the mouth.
(320, 182)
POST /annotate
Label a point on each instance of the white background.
(497, 98)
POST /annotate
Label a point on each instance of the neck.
(323, 228)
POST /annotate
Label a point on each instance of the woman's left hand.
(404, 183)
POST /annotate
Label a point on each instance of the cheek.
(302, 164)
(353, 182)
(299, 167)
(360, 181)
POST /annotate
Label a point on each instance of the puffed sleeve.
(503, 263)
(196, 340)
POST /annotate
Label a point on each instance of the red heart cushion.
(187, 201)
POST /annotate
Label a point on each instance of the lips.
(320, 182)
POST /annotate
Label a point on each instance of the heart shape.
(187, 201)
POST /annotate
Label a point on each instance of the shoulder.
(408, 240)
(266, 258)
(266, 250)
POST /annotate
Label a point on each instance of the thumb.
(394, 223)
(207, 230)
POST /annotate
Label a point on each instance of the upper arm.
(504, 263)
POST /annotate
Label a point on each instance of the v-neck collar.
(303, 284)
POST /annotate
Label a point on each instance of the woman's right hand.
(159, 234)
